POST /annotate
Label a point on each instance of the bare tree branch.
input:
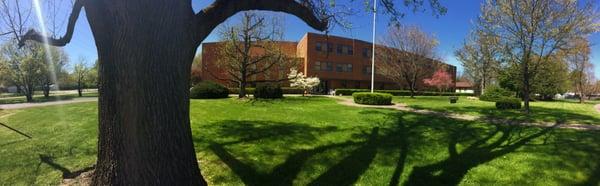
(35, 36)
(220, 10)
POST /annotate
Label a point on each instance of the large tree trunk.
(242, 92)
(146, 50)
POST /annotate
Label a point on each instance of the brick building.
(339, 63)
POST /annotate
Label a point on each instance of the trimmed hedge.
(376, 98)
(400, 92)
(208, 90)
(508, 103)
(495, 93)
(268, 91)
(286, 90)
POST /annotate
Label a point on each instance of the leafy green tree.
(552, 78)
(24, 66)
(480, 58)
(581, 67)
(54, 70)
(531, 31)
(80, 73)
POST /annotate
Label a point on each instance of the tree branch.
(35, 36)
(220, 10)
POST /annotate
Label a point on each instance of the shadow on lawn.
(594, 179)
(451, 170)
(403, 133)
(66, 173)
(537, 114)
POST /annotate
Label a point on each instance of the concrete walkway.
(402, 107)
(61, 102)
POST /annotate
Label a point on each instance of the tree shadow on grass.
(66, 173)
(349, 169)
(537, 114)
(245, 131)
(285, 173)
(452, 170)
(594, 179)
(403, 133)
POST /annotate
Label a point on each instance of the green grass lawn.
(542, 111)
(315, 141)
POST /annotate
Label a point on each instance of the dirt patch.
(597, 107)
(83, 179)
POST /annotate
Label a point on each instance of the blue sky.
(450, 29)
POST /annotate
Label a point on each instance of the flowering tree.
(299, 80)
(440, 79)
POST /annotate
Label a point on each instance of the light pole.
(373, 50)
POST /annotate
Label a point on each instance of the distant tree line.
(535, 48)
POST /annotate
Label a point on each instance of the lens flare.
(49, 57)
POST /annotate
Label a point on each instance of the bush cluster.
(495, 93)
(208, 90)
(401, 92)
(508, 103)
(268, 91)
(286, 90)
(376, 98)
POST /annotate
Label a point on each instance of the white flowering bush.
(299, 80)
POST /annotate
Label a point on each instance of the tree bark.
(46, 89)
(144, 133)
(28, 97)
(79, 92)
(526, 85)
(19, 91)
(242, 92)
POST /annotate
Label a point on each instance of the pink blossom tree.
(440, 79)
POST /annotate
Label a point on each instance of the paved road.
(30, 105)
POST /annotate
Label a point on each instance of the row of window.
(340, 49)
(328, 66)
(341, 67)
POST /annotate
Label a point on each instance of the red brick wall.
(213, 72)
(305, 51)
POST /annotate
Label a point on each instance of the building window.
(339, 68)
(350, 50)
(343, 67)
(366, 52)
(318, 66)
(340, 49)
(329, 47)
(319, 46)
(328, 66)
(367, 70)
(323, 66)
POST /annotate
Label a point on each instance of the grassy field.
(542, 111)
(41, 98)
(315, 141)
